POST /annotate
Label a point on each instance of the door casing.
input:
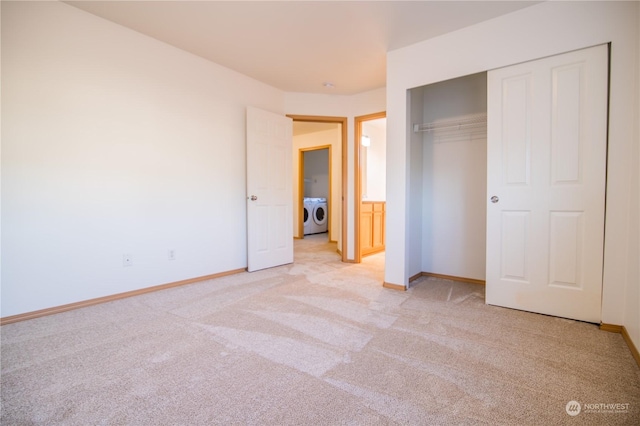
(300, 203)
(343, 122)
(358, 177)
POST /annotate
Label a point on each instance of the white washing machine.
(320, 214)
(308, 213)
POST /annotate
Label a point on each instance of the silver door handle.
(495, 199)
(253, 198)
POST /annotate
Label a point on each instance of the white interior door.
(546, 165)
(269, 189)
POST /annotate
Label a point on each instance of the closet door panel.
(546, 159)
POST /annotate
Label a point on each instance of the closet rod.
(460, 124)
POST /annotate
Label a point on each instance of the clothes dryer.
(320, 213)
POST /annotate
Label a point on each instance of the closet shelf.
(462, 123)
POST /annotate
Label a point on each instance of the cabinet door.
(366, 228)
(378, 226)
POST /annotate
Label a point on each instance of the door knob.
(495, 199)
(253, 198)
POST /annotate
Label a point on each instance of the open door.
(546, 152)
(269, 188)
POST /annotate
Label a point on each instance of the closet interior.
(448, 175)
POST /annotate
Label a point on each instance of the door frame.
(358, 177)
(301, 152)
(343, 122)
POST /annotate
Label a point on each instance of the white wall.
(340, 106)
(515, 38)
(0, 167)
(632, 291)
(114, 143)
(316, 173)
(455, 180)
(375, 181)
(414, 174)
(331, 137)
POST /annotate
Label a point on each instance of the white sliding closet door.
(546, 153)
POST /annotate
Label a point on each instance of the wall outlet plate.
(127, 260)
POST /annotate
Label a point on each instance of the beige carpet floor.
(318, 342)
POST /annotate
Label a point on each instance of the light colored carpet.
(312, 343)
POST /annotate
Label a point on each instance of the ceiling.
(297, 46)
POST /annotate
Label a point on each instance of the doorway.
(448, 177)
(370, 184)
(312, 133)
(314, 186)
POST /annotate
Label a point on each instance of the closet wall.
(415, 162)
(454, 178)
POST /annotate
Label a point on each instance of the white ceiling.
(297, 46)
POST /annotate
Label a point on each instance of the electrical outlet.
(171, 254)
(127, 260)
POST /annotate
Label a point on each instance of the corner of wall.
(632, 291)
